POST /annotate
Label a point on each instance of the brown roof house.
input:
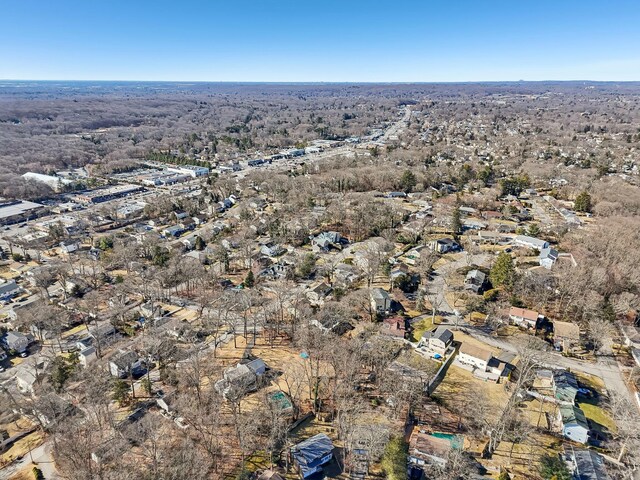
(394, 326)
(432, 448)
(566, 336)
(523, 317)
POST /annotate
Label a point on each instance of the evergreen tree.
(200, 244)
(553, 468)
(456, 222)
(121, 392)
(533, 230)
(583, 202)
(408, 181)
(503, 271)
(249, 280)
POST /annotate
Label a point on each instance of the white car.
(24, 354)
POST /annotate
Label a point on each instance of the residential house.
(310, 455)
(16, 341)
(324, 241)
(258, 203)
(31, 372)
(548, 257)
(87, 355)
(476, 281)
(272, 249)
(472, 224)
(474, 356)
(400, 275)
(189, 242)
(380, 301)
(565, 386)
(330, 324)
(492, 237)
(444, 245)
(483, 363)
(566, 335)
(530, 242)
(467, 211)
(124, 364)
(69, 247)
(394, 326)
(75, 286)
(523, 317)
(585, 464)
(575, 425)
(425, 448)
(25, 379)
(9, 289)
(275, 271)
(173, 231)
(345, 274)
(180, 215)
(152, 310)
(270, 475)
(413, 256)
(318, 293)
(241, 378)
(437, 340)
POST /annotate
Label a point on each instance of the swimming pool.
(456, 441)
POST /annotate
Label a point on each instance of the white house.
(124, 363)
(241, 378)
(16, 341)
(9, 289)
(530, 242)
(69, 247)
(548, 257)
(437, 340)
(25, 380)
(380, 301)
(574, 423)
(86, 356)
(444, 245)
(474, 356)
(523, 317)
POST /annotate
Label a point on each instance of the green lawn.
(420, 327)
(598, 414)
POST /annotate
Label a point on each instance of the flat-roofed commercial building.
(15, 211)
(108, 193)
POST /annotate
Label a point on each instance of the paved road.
(606, 367)
(41, 456)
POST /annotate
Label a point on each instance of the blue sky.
(328, 40)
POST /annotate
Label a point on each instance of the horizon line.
(328, 82)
